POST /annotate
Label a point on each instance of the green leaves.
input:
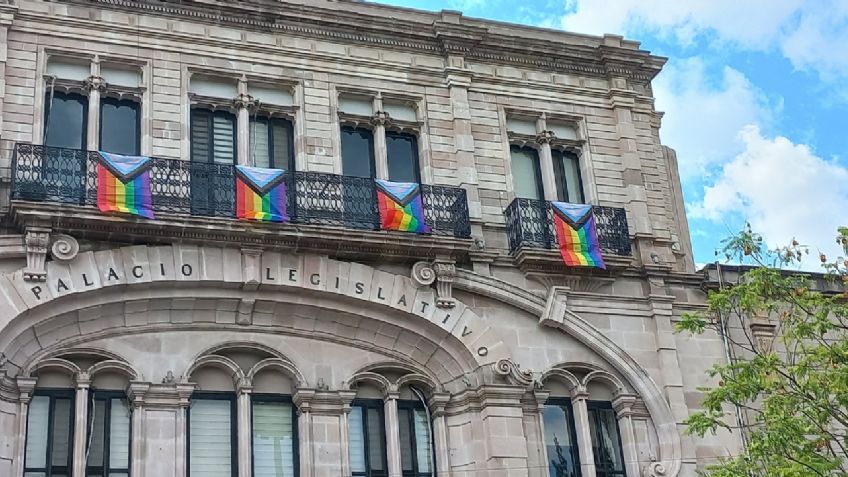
(792, 387)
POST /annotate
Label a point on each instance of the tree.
(791, 391)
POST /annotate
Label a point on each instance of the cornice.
(428, 33)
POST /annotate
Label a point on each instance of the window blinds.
(273, 440)
(356, 440)
(119, 435)
(36, 440)
(423, 441)
(61, 432)
(259, 140)
(213, 137)
(223, 139)
(210, 432)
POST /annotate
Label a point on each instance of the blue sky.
(756, 100)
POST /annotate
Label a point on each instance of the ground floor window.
(274, 429)
(109, 436)
(416, 439)
(560, 439)
(367, 438)
(50, 434)
(606, 440)
(212, 435)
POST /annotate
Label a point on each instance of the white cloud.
(783, 190)
(810, 33)
(702, 118)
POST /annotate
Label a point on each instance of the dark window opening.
(271, 143)
(213, 136)
(367, 439)
(569, 184)
(50, 434)
(357, 152)
(526, 173)
(120, 130)
(560, 439)
(606, 440)
(67, 120)
(416, 440)
(110, 430)
(402, 155)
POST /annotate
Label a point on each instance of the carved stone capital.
(244, 101)
(445, 273)
(381, 118)
(64, 248)
(135, 393)
(545, 137)
(763, 332)
(37, 240)
(95, 83)
(25, 387)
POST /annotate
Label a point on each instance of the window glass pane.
(95, 452)
(360, 105)
(213, 87)
(115, 74)
(423, 441)
(402, 151)
(605, 441)
(119, 131)
(561, 451)
(376, 428)
(567, 176)
(68, 69)
(66, 121)
(36, 440)
(200, 135)
(281, 131)
(406, 451)
(35, 474)
(521, 126)
(273, 440)
(224, 138)
(210, 430)
(259, 153)
(400, 111)
(119, 435)
(356, 440)
(277, 96)
(563, 130)
(61, 432)
(357, 152)
(525, 178)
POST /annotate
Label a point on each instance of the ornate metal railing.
(68, 176)
(529, 224)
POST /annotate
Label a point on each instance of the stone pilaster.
(243, 103)
(303, 400)
(379, 122)
(623, 406)
(579, 396)
(184, 391)
(96, 85)
(441, 450)
(534, 429)
(244, 435)
(26, 386)
(546, 161)
(135, 394)
(347, 398)
(83, 384)
(390, 411)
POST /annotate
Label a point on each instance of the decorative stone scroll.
(510, 370)
(442, 272)
(254, 272)
(64, 248)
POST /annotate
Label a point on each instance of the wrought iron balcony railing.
(69, 176)
(529, 224)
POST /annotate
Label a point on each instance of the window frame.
(274, 398)
(371, 149)
(215, 396)
(270, 121)
(602, 471)
(572, 430)
(210, 156)
(53, 394)
(108, 396)
(537, 170)
(560, 177)
(66, 95)
(379, 405)
(416, 155)
(412, 405)
(104, 100)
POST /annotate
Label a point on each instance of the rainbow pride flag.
(261, 194)
(577, 235)
(123, 184)
(401, 207)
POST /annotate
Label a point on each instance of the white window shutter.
(36, 440)
(423, 441)
(356, 440)
(119, 435)
(210, 446)
(273, 440)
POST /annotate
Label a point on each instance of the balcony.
(329, 213)
(533, 242)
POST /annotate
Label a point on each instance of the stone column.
(579, 396)
(243, 102)
(184, 391)
(381, 155)
(26, 386)
(623, 406)
(303, 401)
(390, 410)
(95, 85)
(537, 461)
(347, 398)
(546, 161)
(440, 432)
(244, 434)
(80, 424)
(135, 395)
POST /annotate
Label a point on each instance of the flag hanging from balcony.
(577, 235)
(261, 194)
(401, 207)
(123, 184)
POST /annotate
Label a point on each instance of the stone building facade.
(195, 344)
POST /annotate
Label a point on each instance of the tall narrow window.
(274, 436)
(271, 143)
(357, 152)
(212, 435)
(50, 427)
(606, 441)
(119, 126)
(416, 440)
(109, 438)
(402, 152)
(567, 175)
(367, 438)
(526, 175)
(560, 439)
(67, 118)
(213, 136)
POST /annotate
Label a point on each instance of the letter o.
(482, 351)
